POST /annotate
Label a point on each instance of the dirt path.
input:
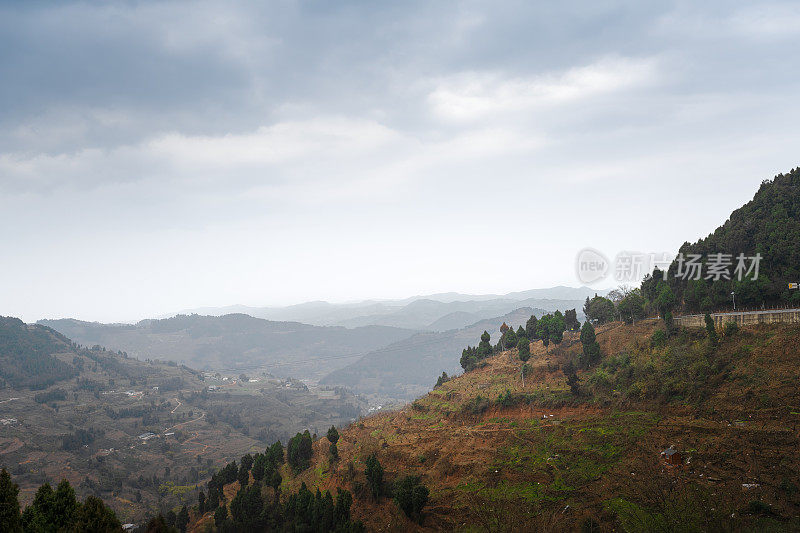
(176, 407)
(184, 423)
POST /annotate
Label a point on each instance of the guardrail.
(742, 318)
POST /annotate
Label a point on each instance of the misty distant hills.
(419, 312)
(235, 341)
(409, 368)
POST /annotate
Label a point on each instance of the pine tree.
(182, 520)
(333, 435)
(530, 327)
(524, 348)
(591, 349)
(10, 518)
(484, 347)
(374, 473)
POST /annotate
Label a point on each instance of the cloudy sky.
(160, 156)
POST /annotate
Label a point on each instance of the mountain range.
(436, 312)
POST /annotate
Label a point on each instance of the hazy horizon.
(402, 298)
(157, 157)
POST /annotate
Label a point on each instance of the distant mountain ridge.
(409, 313)
(235, 341)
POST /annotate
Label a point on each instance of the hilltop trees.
(631, 306)
(53, 510)
(768, 225)
(550, 328)
(250, 510)
(599, 310)
(471, 356)
(571, 320)
(508, 340)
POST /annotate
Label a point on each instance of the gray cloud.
(386, 142)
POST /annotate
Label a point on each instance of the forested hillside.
(768, 225)
(27, 355)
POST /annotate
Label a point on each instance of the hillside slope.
(408, 368)
(137, 433)
(497, 455)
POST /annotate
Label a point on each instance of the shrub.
(711, 329)
(505, 399)
(527, 370)
(659, 338)
(731, 329)
(476, 405)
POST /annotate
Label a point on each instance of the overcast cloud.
(159, 156)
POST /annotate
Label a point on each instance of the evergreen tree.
(557, 327)
(10, 518)
(524, 348)
(571, 373)
(411, 496)
(510, 339)
(299, 451)
(244, 476)
(333, 435)
(631, 307)
(600, 310)
(374, 473)
(201, 502)
(591, 349)
(260, 466)
(95, 516)
(182, 520)
(220, 515)
(530, 328)
(571, 320)
(484, 347)
(275, 453)
(41, 512)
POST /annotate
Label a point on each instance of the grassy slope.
(550, 461)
